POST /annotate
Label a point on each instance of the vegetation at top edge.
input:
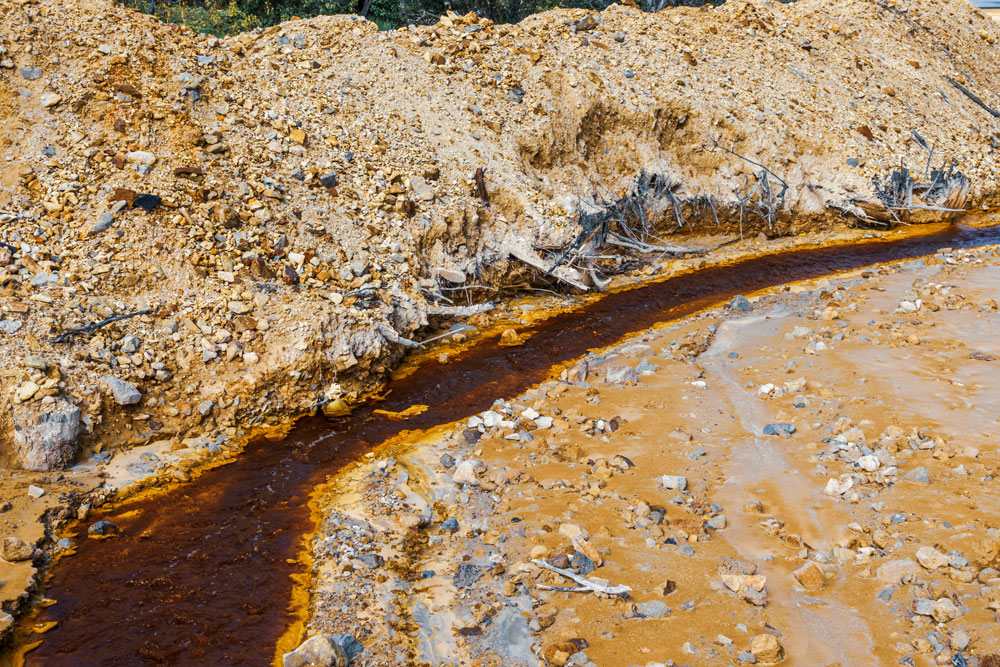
(227, 17)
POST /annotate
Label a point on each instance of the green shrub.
(227, 17)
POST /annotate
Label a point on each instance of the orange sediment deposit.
(214, 558)
(804, 478)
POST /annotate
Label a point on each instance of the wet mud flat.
(805, 478)
(205, 571)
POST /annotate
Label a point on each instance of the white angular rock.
(931, 558)
(467, 472)
(869, 463)
(673, 482)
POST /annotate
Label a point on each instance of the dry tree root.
(629, 223)
(901, 196)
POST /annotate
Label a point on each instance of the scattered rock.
(620, 374)
(767, 649)
(740, 304)
(15, 550)
(810, 577)
(102, 529)
(124, 393)
(931, 558)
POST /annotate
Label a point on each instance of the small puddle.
(204, 572)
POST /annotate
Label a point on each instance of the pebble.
(103, 223)
(673, 482)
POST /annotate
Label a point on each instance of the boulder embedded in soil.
(767, 649)
(46, 440)
(621, 375)
(899, 570)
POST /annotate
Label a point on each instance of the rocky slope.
(275, 210)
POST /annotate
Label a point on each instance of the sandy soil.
(871, 531)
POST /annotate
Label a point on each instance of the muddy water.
(203, 573)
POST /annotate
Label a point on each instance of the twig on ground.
(586, 585)
(968, 93)
(91, 328)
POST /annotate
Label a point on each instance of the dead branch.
(537, 263)
(968, 93)
(392, 336)
(94, 326)
(461, 311)
(586, 585)
(638, 246)
(480, 187)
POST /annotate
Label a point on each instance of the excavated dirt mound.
(278, 208)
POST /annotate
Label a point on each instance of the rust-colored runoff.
(203, 573)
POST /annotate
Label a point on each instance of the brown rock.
(810, 577)
(767, 649)
(14, 549)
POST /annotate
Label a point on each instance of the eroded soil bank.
(202, 572)
(805, 478)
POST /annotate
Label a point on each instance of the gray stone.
(124, 393)
(581, 563)
(359, 267)
(779, 429)
(717, 522)
(48, 440)
(10, 326)
(620, 374)
(205, 408)
(740, 304)
(467, 574)
(328, 180)
(653, 609)
(918, 476)
(449, 525)
(31, 73)
(130, 344)
(15, 549)
(103, 223)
